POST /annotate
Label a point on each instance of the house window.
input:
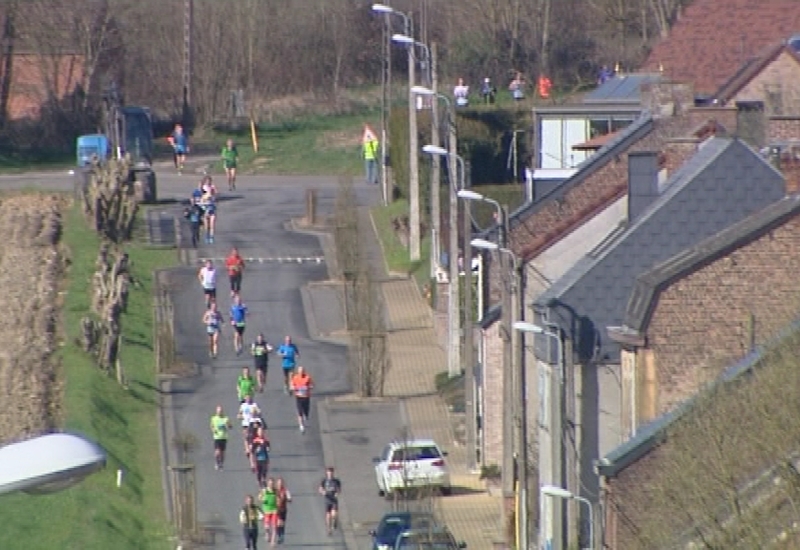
(620, 123)
(599, 127)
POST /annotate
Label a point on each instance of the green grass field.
(395, 253)
(95, 514)
(313, 145)
(17, 163)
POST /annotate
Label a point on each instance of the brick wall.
(782, 128)
(492, 395)
(777, 85)
(704, 322)
(726, 116)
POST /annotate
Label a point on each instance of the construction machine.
(128, 131)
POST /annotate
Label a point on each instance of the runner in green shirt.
(230, 156)
(245, 385)
(269, 506)
(220, 424)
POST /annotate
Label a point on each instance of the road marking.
(274, 260)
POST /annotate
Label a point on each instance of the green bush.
(484, 137)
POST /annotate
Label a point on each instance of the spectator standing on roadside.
(461, 93)
(488, 91)
(517, 87)
(370, 148)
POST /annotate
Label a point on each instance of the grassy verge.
(96, 514)
(395, 253)
(15, 163)
(509, 195)
(312, 145)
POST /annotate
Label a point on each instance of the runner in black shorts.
(260, 350)
(330, 487)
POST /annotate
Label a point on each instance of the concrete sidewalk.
(415, 357)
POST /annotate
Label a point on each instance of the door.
(551, 150)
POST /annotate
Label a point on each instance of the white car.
(409, 464)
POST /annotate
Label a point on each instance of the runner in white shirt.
(247, 412)
(208, 280)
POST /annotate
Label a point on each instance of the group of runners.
(270, 507)
(179, 141)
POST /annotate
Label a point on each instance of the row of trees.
(273, 48)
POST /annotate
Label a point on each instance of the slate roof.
(751, 69)
(624, 88)
(723, 183)
(713, 38)
(654, 433)
(649, 284)
(620, 143)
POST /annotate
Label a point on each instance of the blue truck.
(128, 131)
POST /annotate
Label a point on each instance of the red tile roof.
(751, 69)
(714, 38)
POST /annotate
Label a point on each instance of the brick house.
(555, 232)
(687, 321)
(712, 38)
(37, 79)
(772, 79)
(724, 182)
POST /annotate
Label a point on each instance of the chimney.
(643, 169)
(677, 151)
(789, 165)
(666, 99)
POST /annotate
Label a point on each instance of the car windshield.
(423, 452)
(391, 527)
(138, 135)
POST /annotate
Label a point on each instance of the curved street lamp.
(48, 463)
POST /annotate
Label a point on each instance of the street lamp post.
(453, 317)
(413, 140)
(549, 428)
(508, 370)
(388, 11)
(514, 374)
(558, 492)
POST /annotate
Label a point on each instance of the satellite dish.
(48, 463)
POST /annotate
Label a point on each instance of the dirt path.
(30, 273)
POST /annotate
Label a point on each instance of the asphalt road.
(253, 219)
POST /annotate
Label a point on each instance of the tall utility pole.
(385, 61)
(454, 317)
(508, 307)
(521, 392)
(188, 27)
(469, 349)
(436, 170)
(413, 157)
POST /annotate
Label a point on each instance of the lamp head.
(522, 326)
(553, 491)
(468, 195)
(382, 8)
(422, 90)
(402, 39)
(435, 150)
(483, 244)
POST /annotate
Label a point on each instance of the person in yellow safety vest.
(370, 147)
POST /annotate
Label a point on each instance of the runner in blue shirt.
(290, 355)
(238, 317)
(180, 143)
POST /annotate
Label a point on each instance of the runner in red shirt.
(235, 265)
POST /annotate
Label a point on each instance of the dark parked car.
(433, 538)
(395, 523)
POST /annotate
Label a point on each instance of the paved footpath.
(355, 431)
(254, 219)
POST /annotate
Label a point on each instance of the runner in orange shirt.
(235, 265)
(301, 386)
